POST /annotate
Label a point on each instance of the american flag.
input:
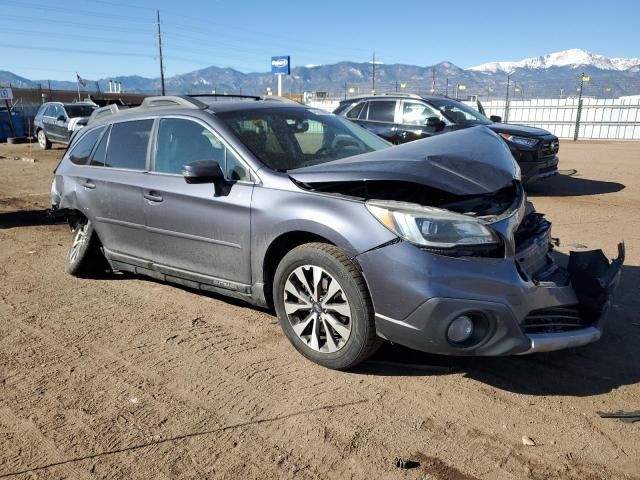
(81, 80)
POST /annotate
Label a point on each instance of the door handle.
(153, 197)
(88, 184)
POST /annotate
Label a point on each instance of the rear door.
(49, 120)
(121, 180)
(195, 232)
(379, 116)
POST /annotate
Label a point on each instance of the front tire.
(43, 141)
(324, 306)
(85, 259)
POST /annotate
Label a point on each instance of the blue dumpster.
(5, 125)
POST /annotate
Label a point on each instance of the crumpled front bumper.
(417, 294)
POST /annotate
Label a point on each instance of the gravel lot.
(129, 378)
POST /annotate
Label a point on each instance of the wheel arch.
(277, 249)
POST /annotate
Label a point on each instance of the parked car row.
(401, 118)
(430, 244)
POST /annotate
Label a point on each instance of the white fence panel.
(608, 119)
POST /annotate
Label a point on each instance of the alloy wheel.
(42, 139)
(317, 308)
(79, 239)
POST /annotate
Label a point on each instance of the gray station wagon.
(431, 244)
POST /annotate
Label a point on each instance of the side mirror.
(61, 118)
(436, 123)
(495, 119)
(206, 171)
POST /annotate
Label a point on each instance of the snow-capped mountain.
(574, 57)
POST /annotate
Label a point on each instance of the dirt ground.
(129, 378)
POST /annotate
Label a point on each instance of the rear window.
(355, 111)
(382, 111)
(78, 110)
(82, 149)
(128, 145)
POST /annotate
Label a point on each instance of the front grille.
(549, 148)
(554, 320)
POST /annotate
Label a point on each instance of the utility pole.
(160, 54)
(345, 90)
(506, 101)
(446, 94)
(433, 81)
(373, 77)
(579, 112)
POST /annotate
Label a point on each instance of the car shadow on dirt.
(570, 184)
(27, 218)
(611, 363)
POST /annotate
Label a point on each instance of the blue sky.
(105, 38)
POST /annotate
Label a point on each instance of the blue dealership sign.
(281, 65)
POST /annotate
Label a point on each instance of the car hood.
(518, 130)
(473, 161)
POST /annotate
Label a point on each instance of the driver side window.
(183, 141)
(416, 113)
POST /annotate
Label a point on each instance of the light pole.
(506, 101)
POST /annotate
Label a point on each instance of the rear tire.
(43, 141)
(324, 307)
(85, 259)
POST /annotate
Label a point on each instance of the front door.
(413, 121)
(195, 232)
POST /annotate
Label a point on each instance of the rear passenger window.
(82, 149)
(128, 145)
(382, 111)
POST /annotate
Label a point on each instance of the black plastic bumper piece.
(594, 279)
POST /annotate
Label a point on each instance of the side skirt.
(197, 281)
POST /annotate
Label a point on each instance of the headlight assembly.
(431, 227)
(523, 141)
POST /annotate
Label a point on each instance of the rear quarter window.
(82, 149)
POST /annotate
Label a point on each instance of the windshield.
(459, 113)
(288, 138)
(79, 110)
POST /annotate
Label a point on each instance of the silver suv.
(431, 244)
(56, 122)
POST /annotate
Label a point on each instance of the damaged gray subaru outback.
(431, 244)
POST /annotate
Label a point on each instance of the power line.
(74, 11)
(81, 51)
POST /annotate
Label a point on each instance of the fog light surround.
(460, 330)
(469, 329)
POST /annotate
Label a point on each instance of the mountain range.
(546, 76)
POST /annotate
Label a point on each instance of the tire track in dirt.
(227, 352)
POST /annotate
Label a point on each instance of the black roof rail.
(223, 95)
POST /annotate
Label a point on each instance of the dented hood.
(473, 161)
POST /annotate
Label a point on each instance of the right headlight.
(429, 226)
